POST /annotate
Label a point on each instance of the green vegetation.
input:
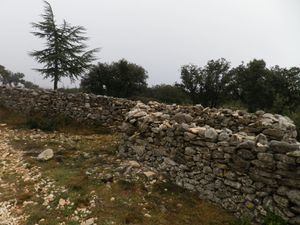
(208, 85)
(254, 85)
(272, 219)
(165, 93)
(241, 221)
(65, 54)
(14, 79)
(118, 79)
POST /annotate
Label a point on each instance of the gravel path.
(11, 163)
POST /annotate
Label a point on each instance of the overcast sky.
(160, 35)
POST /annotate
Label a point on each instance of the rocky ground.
(83, 183)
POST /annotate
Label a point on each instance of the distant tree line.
(251, 85)
(14, 79)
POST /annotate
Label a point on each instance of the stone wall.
(87, 108)
(247, 163)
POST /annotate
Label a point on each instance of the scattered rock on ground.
(46, 155)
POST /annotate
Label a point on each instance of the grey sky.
(160, 35)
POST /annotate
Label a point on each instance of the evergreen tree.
(65, 54)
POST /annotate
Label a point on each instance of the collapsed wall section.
(86, 108)
(247, 163)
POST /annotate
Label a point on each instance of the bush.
(164, 93)
(42, 122)
(241, 221)
(272, 219)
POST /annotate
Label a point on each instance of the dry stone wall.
(87, 108)
(247, 163)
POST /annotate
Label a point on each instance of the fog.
(159, 35)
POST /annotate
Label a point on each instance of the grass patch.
(13, 119)
(22, 197)
(37, 213)
(272, 219)
(169, 188)
(241, 221)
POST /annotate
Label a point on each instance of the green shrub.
(272, 219)
(45, 123)
(241, 221)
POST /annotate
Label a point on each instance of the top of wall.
(24, 92)
(274, 126)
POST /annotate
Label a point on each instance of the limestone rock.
(134, 164)
(183, 118)
(90, 221)
(149, 174)
(62, 202)
(265, 157)
(245, 154)
(261, 139)
(233, 184)
(46, 155)
(139, 149)
(294, 196)
(247, 145)
(283, 147)
(211, 134)
(294, 154)
(197, 130)
(225, 135)
(295, 220)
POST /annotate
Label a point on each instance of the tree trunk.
(55, 82)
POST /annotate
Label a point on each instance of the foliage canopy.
(119, 79)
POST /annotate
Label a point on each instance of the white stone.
(149, 174)
(211, 133)
(90, 221)
(134, 164)
(294, 153)
(46, 155)
(62, 202)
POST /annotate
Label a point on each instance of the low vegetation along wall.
(84, 108)
(247, 163)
